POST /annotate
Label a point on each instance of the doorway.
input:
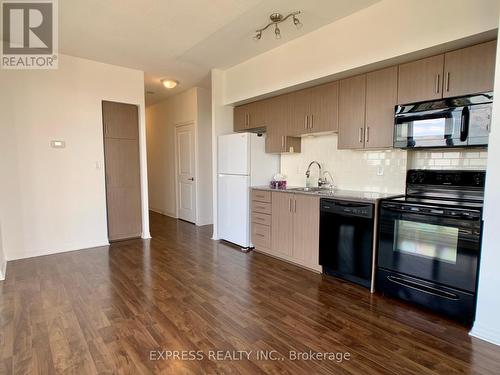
(121, 157)
(185, 155)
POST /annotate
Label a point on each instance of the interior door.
(186, 184)
(121, 154)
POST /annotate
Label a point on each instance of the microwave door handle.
(464, 124)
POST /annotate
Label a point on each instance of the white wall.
(3, 260)
(53, 200)
(487, 324)
(222, 123)
(383, 31)
(191, 106)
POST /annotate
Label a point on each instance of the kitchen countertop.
(365, 196)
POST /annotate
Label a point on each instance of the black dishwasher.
(346, 240)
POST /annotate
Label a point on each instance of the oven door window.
(426, 240)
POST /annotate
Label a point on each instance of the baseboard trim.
(487, 334)
(63, 249)
(164, 213)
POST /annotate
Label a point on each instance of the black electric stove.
(430, 240)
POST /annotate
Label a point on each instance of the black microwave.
(451, 122)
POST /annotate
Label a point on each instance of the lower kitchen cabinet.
(295, 229)
(306, 230)
(282, 223)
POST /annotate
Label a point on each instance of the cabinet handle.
(360, 135)
(447, 81)
(290, 204)
(367, 136)
(249, 120)
(311, 125)
(295, 205)
(306, 122)
(283, 142)
(438, 76)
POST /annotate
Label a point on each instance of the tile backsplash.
(448, 159)
(378, 171)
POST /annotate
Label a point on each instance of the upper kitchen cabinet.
(250, 116)
(352, 96)
(315, 110)
(381, 97)
(421, 80)
(277, 130)
(469, 70)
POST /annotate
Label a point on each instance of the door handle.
(191, 179)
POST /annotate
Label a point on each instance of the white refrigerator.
(242, 163)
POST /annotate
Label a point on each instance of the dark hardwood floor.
(110, 310)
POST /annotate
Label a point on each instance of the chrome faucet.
(321, 181)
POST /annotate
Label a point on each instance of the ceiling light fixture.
(169, 83)
(277, 18)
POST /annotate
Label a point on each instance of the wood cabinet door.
(257, 114)
(381, 97)
(421, 80)
(352, 112)
(122, 169)
(469, 70)
(300, 111)
(324, 101)
(240, 118)
(282, 223)
(306, 230)
(276, 129)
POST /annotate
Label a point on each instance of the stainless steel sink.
(311, 189)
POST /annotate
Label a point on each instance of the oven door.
(435, 128)
(435, 248)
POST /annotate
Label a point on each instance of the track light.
(277, 32)
(277, 18)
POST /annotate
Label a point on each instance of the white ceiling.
(184, 39)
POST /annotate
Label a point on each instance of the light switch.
(57, 144)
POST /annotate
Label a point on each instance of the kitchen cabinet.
(352, 95)
(306, 230)
(250, 116)
(421, 80)
(315, 110)
(277, 133)
(282, 223)
(381, 97)
(469, 70)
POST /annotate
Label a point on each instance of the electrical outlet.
(380, 171)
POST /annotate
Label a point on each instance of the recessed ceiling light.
(169, 83)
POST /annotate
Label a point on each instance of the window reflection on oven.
(426, 240)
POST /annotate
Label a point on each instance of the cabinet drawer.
(261, 207)
(259, 218)
(261, 235)
(261, 196)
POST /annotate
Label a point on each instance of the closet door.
(121, 154)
